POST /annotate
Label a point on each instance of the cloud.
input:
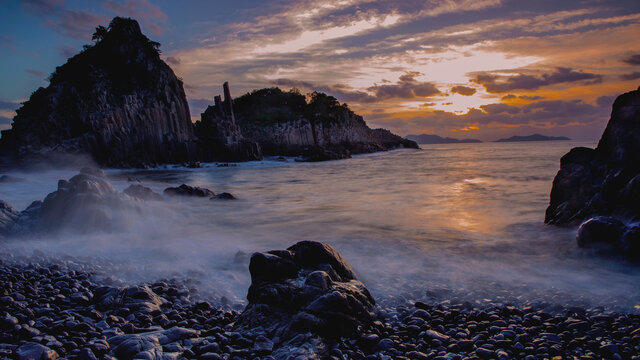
(500, 83)
(148, 14)
(523, 97)
(407, 87)
(630, 76)
(5, 120)
(463, 90)
(34, 72)
(632, 59)
(8, 105)
(173, 60)
(606, 100)
(42, 7)
(66, 51)
(76, 24)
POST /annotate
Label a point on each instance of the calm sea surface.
(462, 219)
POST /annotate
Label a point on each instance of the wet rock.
(223, 196)
(600, 229)
(87, 202)
(142, 193)
(308, 288)
(602, 182)
(187, 190)
(35, 351)
(137, 298)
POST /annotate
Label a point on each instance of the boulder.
(136, 298)
(86, 202)
(600, 188)
(600, 229)
(142, 193)
(307, 289)
(35, 351)
(224, 196)
(187, 190)
(604, 181)
(147, 345)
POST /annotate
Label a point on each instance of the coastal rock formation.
(308, 289)
(142, 193)
(219, 136)
(285, 123)
(604, 181)
(187, 190)
(116, 100)
(86, 202)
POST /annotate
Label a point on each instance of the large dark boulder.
(602, 185)
(116, 101)
(604, 180)
(188, 190)
(308, 289)
(86, 202)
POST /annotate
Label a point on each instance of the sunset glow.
(407, 66)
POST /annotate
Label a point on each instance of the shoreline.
(60, 304)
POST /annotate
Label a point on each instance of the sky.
(482, 69)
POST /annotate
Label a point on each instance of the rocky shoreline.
(67, 308)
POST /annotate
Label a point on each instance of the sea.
(448, 222)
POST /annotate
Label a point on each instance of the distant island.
(435, 139)
(534, 137)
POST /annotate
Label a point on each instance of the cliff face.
(604, 180)
(285, 123)
(219, 136)
(116, 100)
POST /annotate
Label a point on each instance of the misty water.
(454, 220)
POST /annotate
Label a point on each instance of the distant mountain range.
(534, 137)
(435, 139)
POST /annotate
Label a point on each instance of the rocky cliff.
(116, 100)
(602, 185)
(317, 127)
(219, 137)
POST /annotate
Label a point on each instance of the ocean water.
(453, 220)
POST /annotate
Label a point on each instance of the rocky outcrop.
(116, 100)
(604, 181)
(284, 123)
(219, 136)
(302, 296)
(86, 202)
(142, 193)
(188, 190)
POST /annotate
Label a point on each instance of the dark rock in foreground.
(59, 308)
(307, 289)
(187, 190)
(604, 181)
